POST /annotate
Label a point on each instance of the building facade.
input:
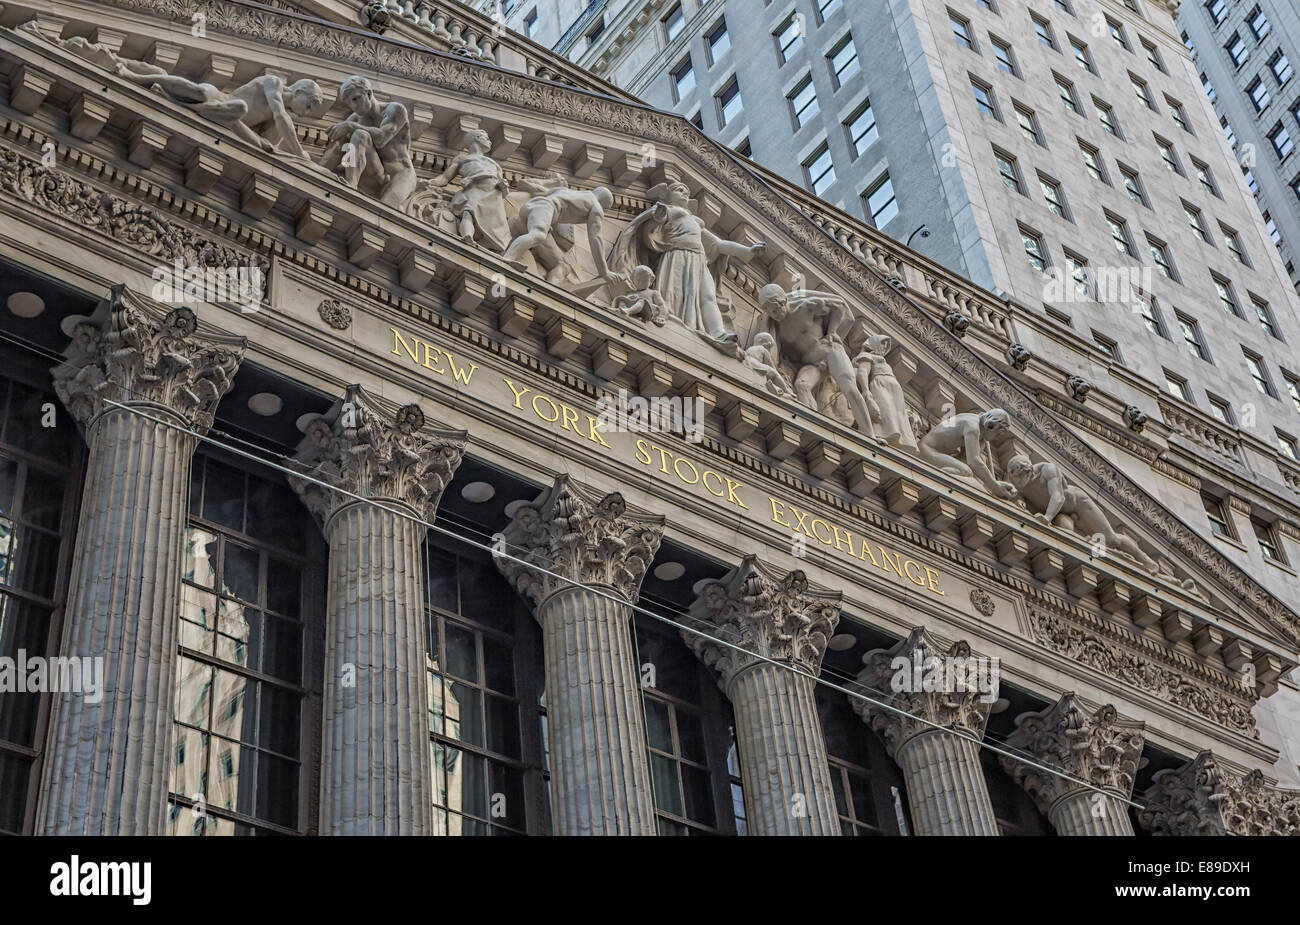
(410, 433)
(1243, 52)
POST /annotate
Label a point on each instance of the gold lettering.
(430, 353)
(919, 579)
(663, 458)
(400, 341)
(593, 434)
(933, 578)
(896, 562)
(643, 452)
(778, 512)
(801, 518)
(866, 553)
(519, 393)
(848, 538)
(554, 408)
(676, 469)
(817, 535)
(460, 373)
(705, 479)
(732, 485)
(570, 417)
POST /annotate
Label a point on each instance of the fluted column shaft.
(946, 789)
(376, 772)
(1087, 812)
(782, 751)
(600, 772)
(107, 767)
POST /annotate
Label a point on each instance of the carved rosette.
(769, 615)
(1202, 798)
(1102, 749)
(959, 710)
(379, 454)
(572, 536)
(134, 351)
(334, 313)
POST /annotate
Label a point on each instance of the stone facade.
(538, 390)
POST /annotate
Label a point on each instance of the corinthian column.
(945, 782)
(376, 775)
(107, 763)
(1204, 798)
(579, 560)
(777, 628)
(1099, 752)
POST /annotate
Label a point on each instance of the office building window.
(844, 61)
(1259, 373)
(1192, 337)
(683, 79)
(1266, 536)
(1281, 140)
(1264, 315)
(1053, 196)
(718, 41)
(530, 23)
(1044, 31)
(1218, 10)
(1177, 386)
(984, 98)
(1288, 445)
(1258, 92)
(882, 205)
(1005, 57)
(1217, 513)
(1065, 90)
(1292, 388)
(1033, 244)
(1177, 113)
(1280, 65)
(1117, 33)
(1236, 49)
(1153, 56)
(1205, 178)
(819, 170)
(961, 30)
(1028, 123)
(1082, 56)
(1151, 315)
(1233, 242)
(673, 23)
(1168, 156)
(1119, 235)
(827, 8)
(730, 104)
(1080, 275)
(803, 102)
(1259, 23)
(1227, 297)
(1142, 92)
(1106, 114)
(1196, 222)
(1092, 161)
(1133, 185)
(1107, 346)
(1221, 411)
(789, 38)
(861, 129)
(1160, 255)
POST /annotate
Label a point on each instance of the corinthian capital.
(1100, 748)
(570, 535)
(132, 350)
(927, 683)
(767, 614)
(384, 454)
(1204, 798)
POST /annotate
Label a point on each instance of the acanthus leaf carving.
(1204, 798)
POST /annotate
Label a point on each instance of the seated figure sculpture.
(372, 144)
(953, 445)
(480, 205)
(761, 357)
(645, 301)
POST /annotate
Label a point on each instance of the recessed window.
(745, 149)
(1141, 91)
(1236, 49)
(1082, 56)
(1259, 373)
(1058, 316)
(1205, 178)
(1151, 315)
(1292, 388)
(988, 5)
(530, 23)
(1233, 242)
(1117, 33)
(1028, 123)
(1218, 10)
(1033, 244)
(1133, 185)
(820, 170)
(1192, 337)
(1196, 222)
(1065, 90)
(1177, 386)
(1107, 346)
(1053, 196)
(1227, 296)
(1005, 57)
(961, 30)
(882, 205)
(1218, 516)
(1228, 132)
(1077, 267)
(1280, 65)
(683, 79)
(1153, 56)
(1119, 234)
(1259, 97)
(1008, 171)
(1178, 114)
(1281, 140)
(697, 120)
(718, 41)
(1160, 255)
(1208, 87)
(1258, 23)
(1264, 315)
(1251, 183)
(1064, 6)
(828, 8)
(1092, 161)
(673, 23)
(1271, 227)
(1044, 31)
(1168, 156)
(984, 98)
(803, 102)
(730, 104)
(597, 28)
(1221, 411)
(844, 61)
(1266, 535)
(788, 38)
(1106, 115)
(861, 129)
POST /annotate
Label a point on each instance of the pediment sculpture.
(370, 150)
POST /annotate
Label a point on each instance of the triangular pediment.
(921, 376)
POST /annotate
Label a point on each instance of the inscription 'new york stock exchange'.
(585, 427)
